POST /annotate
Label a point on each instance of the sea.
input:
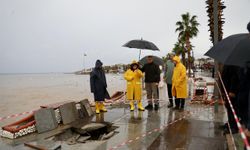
(25, 92)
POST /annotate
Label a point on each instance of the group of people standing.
(175, 77)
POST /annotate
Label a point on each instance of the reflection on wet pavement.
(199, 129)
(190, 134)
(195, 128)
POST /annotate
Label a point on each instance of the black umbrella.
(157, 60)
(233, 50)
(141, 44)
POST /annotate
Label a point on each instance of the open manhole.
(88, 132)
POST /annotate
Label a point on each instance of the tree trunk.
(183, 56)
(189, 56)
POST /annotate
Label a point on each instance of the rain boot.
(102, 107)
(132, 105)
(140, 107)
(97, 108)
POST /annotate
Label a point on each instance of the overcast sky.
(53, 35)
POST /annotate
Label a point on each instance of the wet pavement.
(195, 128)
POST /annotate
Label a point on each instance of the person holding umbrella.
(244, 97)
(134, 86)
(179, 83)
(152, 79)
(98, 86)
(231, 80)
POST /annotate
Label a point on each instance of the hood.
(177, 59)
(98, 64)
(134, 62)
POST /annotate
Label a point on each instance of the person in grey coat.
(168, 78)
(98, 85)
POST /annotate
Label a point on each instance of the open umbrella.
(157, 60)
(141, 44)
(233, 50)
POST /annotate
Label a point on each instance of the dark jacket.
(98, 83)
(152, 73)
(244, 96)
(231, 78)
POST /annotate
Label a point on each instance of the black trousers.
(230, 115)
(170, 97)
(180, 102)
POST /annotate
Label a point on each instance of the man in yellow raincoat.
(179, 83)
(134, 86)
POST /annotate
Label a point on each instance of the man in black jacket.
(231, 79)
(98, 85)
(152, 79)
(244, 96)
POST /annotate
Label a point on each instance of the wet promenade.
(195, 128)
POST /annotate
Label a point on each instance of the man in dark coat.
(98, 86)
(152, 79)
(231, 79)
(244, 96)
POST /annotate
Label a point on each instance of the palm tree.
(187, 29)
(221, 20)
(179, 49)
(164, 58)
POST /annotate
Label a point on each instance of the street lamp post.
(84, 55)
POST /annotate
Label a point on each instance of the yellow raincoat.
(179, 80)
(134, 84)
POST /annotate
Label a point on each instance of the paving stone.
(45, 120)
(88, 112)
(68, 112)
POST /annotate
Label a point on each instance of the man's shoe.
(170, 105)
(149, 107)
(156, 106)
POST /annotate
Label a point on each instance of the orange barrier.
(20, 124)
(236, 118)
